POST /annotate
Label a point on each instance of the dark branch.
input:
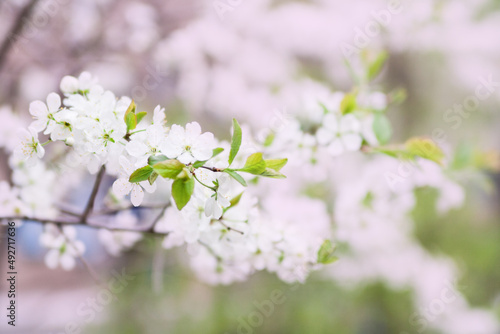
(90, 203)
(17, 28)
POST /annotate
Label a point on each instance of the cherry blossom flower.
(188, 145)
(44, 113)
(340, 134)
(123, 187)
(29, 147)
(63, 246)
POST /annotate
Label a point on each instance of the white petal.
(349, 123)
(210, 205)
(351, 141)
(331, 123)
(69, 84)
(193, 130)
(39, 110)
(137, 195)
(223, 201)
(150, 188)
(336, 147)
(136, 148)
(40, 151)
(122, 187)
(186, 158)
(154, 134)
(67, 262)
(52, 258)
(53, 102)
(324, 135)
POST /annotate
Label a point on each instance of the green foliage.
(141, 174)
(255, 164)
(182, 189)
(236, 176)
(169, 168)
(235, 142)
(348, 103)
(382, 128)
(326, 253)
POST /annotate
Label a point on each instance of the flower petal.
(122, 187)
(137, 195)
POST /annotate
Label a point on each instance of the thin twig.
(153, 224)
(229, 228)
(90, 203)
(78, 223)
(213, 169)
(113, 211)
(18, 26)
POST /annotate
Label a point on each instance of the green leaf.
(268, 172)
(348, 103)
(130, 117)
(276, 164)
(141, 174)
(154, 159)
(236, 176)
(235, 200)
(169, 168)
(326, 253)
(131, 121)
(235, 142)
(254, 164)
(376, 65)
(152, 178)
(269, 139)
(182, 189)
(140, 116)
(382, 128)
(425, 148)
(215, 153)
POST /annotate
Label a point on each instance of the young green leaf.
(326, 253)
(268, 172)
(276, 164)
(348, 103)
(140, 116)
(182, 189)
(152, 178)
(376, 65)
(130, 121)
(235, 142)
(235, 200)
(236, 176)
(425, 148)
(169, 168)
(382, 128)
(130, 117)
(141, 174)
(254, 164)
(154, 159)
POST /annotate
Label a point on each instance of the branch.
(213, 169)
(77, 223)
(16, 29)
(90, 203)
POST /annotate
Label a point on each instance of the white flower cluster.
(227, 232)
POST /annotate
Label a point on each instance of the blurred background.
(211, 61)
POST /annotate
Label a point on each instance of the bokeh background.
(211, 61)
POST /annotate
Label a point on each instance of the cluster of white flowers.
(63, 246)
(228, 231)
